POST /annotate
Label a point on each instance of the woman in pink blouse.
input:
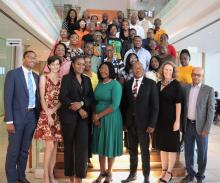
(60, 50)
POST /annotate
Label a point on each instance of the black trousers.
(136, 137)
(90, 140)
(75, 137)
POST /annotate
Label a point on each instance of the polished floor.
(212, 173)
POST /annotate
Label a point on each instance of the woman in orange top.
(81, 30)
(185, 71)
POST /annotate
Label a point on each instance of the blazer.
(141, 112)
(205, 108)
(71, 91)
(16, 96)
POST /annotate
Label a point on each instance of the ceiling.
(194, 23)
(10, 29)
(206, 40)
(155, 5)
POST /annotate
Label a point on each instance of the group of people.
(99, 81)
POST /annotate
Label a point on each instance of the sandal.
(108, 178)
(100, 177)
(162, 174)
(171, 176)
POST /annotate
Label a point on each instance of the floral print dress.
(44, 131)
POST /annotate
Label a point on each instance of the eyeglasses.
(60, 50)
(196, 75)
(109, 50)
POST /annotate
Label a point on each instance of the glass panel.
(6, 60)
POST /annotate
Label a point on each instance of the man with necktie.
(141, 106)
(21, 102)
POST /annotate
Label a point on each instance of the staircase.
(122, 165)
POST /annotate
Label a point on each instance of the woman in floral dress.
(48, 127)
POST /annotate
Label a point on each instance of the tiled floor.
(212, 174)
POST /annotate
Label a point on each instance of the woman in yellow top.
(185, 71)
(94, 80)
(88, 72)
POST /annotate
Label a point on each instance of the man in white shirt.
(21, 101)
(143, 22)
(138, 28)
(198, 117)
(144, 56)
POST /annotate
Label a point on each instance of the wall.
(96, 4)
(196, 59)
(104, 5)
(212, 70)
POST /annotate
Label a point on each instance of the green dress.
(107, 138)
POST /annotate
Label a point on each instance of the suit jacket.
(71, 92)
(141, 112)
(16, 96)
(205, 108)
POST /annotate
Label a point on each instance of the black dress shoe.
(24, 181)
(131, 177)
(146, 180)
(187, 179)
(199, 181)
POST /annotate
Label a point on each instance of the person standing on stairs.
(141, 105)
(168, 126)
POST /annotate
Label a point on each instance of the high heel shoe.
(108, 178)
(171, 176)
(100, 177)
(162, 174)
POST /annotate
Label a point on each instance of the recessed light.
(28, 39)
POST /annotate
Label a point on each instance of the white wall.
(212, 70)
(196, 59)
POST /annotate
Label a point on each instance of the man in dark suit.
(141, 106)
(198, 116)
(21, 103)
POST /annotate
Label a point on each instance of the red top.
(171, 50)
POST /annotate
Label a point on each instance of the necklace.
(165, 83)
(107, 81)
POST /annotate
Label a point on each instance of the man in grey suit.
(21, 101)
(198, 117)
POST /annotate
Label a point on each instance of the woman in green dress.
(107, 121)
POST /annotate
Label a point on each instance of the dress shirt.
(26, 71)
(139, 83)
(193, 95)
(139, 30)
(144, 57)
(146, 24)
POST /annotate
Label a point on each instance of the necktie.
(31, 95)
(134, 91)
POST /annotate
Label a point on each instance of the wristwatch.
(82, 103)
